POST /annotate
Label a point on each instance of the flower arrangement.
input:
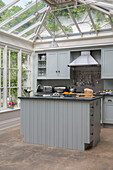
(27, 91)
(12, 103)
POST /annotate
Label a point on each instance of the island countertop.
(74, 98)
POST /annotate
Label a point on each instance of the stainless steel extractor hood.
(85, 59)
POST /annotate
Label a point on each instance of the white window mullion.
(0, 77)
(19, 73)
(31, 67)
(9, 73)
(5, 76)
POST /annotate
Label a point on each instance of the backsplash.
(81, 77)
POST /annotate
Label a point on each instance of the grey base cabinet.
(61, 123)
(108, 110)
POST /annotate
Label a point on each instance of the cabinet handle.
(56, 71)
(92, 124)
(91, 133)
(92, 107)
(109, 100)
(92, 115)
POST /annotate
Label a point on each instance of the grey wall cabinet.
(107, 64)
(57, 62)
(108, 110)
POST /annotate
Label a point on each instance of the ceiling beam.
(75, 22)
(101, 4)
(8, 6)
(27, 20)
(17, 14)
(21, 23)
(91, 20)
(30, 36)
(39, 28)
(59, 24)
(94, 7)
(111, 23)
(28, 29)
(48, 30)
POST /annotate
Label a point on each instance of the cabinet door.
(107, 64)
(108, 110)
(51, 65)
(63, 61)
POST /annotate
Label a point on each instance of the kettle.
(39, 88)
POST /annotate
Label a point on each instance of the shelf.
(41, 67)
(42, 60)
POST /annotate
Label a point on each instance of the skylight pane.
(53, 26)
(28, 24)
(101, 20)
(65, 20)
(29, 33)
(2, 4)
(44, 33)
(16, 8)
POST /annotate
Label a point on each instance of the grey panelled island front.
(62, 122)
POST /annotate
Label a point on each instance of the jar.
(43, 57)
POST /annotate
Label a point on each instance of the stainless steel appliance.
(48, 89)
(85, 59)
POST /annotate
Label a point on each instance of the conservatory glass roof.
(39, 20)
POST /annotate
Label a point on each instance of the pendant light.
(53, 43)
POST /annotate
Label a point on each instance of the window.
(26, 72)
(12, 75)
(15, 75)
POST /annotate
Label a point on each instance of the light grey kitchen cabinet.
(41, 63)
(57, 62)
(107, 64)
(108, 110)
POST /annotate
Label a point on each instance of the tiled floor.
(17, 155)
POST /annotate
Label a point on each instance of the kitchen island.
(66, 122)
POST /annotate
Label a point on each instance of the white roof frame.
(28, 29)
(48, 30)
(21, 23)
(91, 20)
(59, 24)
(110, 21)
(39, 28)
(27, 20)
(75, 22)
(8, 5)
(94, 7)
(17, 14)
(30, 36)
(101, 4)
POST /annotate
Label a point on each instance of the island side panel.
(56, 123)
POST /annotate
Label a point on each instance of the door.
(51, 65)
(63, 61)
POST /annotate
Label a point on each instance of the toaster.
(47, 89)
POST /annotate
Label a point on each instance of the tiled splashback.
(87, 76)
(81, 77)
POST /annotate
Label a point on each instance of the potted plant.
(12, 103)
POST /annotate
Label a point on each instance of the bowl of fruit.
(68, 94)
